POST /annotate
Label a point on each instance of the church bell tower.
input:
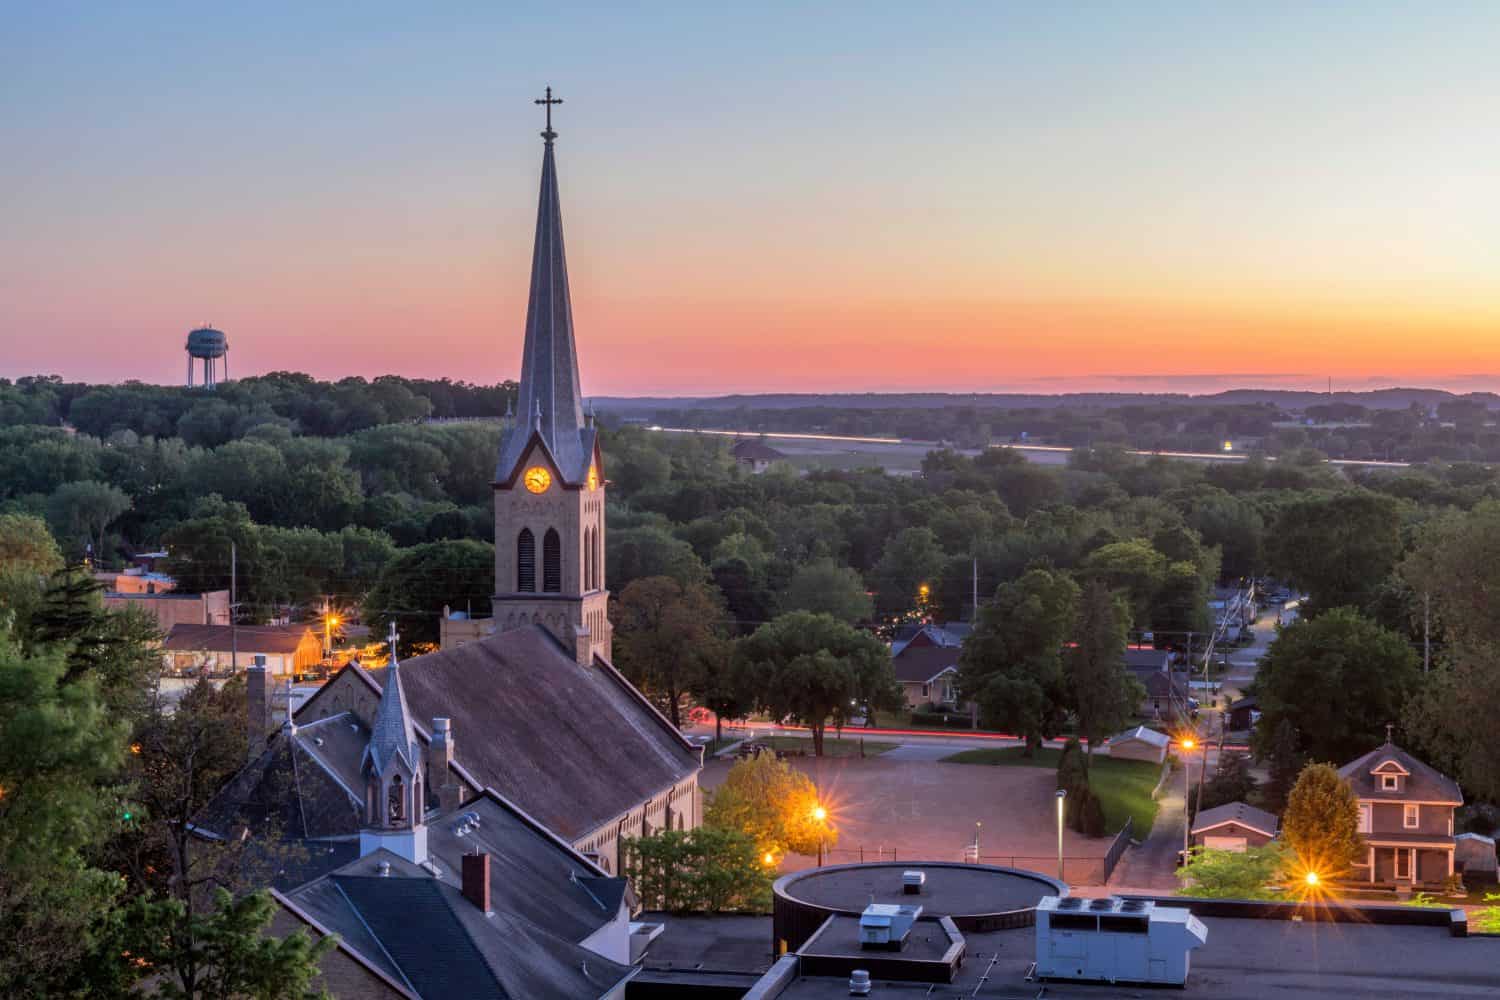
(549, 480)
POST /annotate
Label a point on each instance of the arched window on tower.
(552, 562)
(598, 560)
(588, 558)
(396, 804)
(526, 562)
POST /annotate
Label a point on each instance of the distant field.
(1123, 786)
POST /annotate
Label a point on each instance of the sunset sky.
(983, 197)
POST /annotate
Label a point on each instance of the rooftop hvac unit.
(885, 925)
(1114, 941)
(912, 882)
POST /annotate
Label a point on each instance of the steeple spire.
(551, 402)
(391, 734)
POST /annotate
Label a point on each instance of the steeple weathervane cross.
(393, 636)
(547, 102)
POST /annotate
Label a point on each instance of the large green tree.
(1320, 826)
(707, 870)
(824, 586)
(1100, 690)
(81, 511)
(814, 669)
(1337, 680)
(415, 586)
(1338, 548)
(1011, 665)
(668, 638)
(910, 560)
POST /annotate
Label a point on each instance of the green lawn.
(1123, 786)
(845, 747)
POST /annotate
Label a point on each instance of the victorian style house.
(1405, 816)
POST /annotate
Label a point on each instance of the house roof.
(930, 634)
(921, 664)
(1236, 812)
(1145, 734)
(574, 746)
(1423, 783)
(1249, 701)
(755, 451)
(251, 639)
(1164, 685)
(419, 930)
(1140, 660)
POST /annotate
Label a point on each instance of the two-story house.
(1405, 816)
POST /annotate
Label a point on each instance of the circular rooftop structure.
(976, 897)
(206, 342)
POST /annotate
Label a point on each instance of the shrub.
(702, 870)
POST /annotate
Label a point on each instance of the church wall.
(682, 804)
(345, 693)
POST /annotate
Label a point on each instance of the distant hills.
(1286, 399)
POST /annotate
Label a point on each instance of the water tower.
(207, 345)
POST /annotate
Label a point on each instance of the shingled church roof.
(575, 746)
(551, 402)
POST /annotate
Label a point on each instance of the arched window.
(551, 562)
(588, 559)
(598, 560)
(396, 804)
(526, 562)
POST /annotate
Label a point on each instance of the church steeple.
(549, 483)
(551, 402)
(395, 800)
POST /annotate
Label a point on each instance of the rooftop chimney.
(440, 760)
(476, 877)
(257, 706)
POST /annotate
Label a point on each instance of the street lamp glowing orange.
(820, 814)
(1188, 743)
(1311, 878)
(769, 859)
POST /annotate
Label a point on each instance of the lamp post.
(1187, 820)
(1062, 794)
(820, 815)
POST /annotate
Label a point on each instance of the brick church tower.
(549, 483)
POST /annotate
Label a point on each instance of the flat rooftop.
(950, 891)
(927, 941)
(1244, 959)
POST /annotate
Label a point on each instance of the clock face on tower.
(537, 479)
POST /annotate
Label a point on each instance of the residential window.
(1411, 817)
(1364, 817)
(1390, 782)
(924, 690)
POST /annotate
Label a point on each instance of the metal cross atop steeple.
(547, 102)
(393, 636)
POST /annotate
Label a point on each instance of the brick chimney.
(257, 706)
(476, 877)
(440, 763)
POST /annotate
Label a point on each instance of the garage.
(1234, 827)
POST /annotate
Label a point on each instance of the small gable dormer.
(1390, 776)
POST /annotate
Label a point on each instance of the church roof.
(551, 403)
(419, 931)
(391, 735)
(574, 746)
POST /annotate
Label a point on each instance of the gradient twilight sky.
(986, 197)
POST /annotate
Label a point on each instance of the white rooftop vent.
(912, 881)
(885, 925)
(859, 983)
(1115, 941)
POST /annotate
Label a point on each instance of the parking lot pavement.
(919, 751)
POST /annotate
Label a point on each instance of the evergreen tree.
(1100, 690)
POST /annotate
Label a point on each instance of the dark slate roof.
(251, 638)
(1164, 685)
(391, 735)
(550, 406)
(920, 664)
(1424, 783)
(1236, 812)
(1141, 660)
(573, 746)
(1248, 701)
(419, 930)
(755, 451)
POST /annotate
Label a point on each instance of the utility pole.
(234, 611)
(975, 617)
(1426, 631)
